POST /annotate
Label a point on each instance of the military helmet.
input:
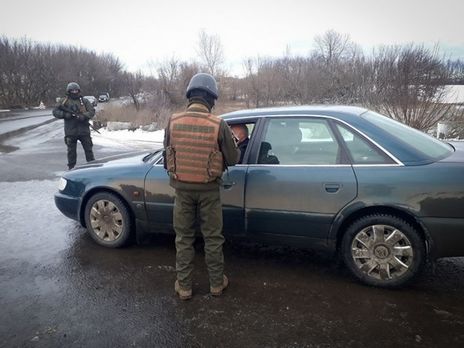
(71, 86)
(204, 82)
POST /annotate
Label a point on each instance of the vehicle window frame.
(249, 150)
(419, 156)
(157, 161)
(344, 158)
(335, 123)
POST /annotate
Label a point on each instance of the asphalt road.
(59, 289)
(12, 121)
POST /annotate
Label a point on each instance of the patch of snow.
(150, 127)
(127, 138)
(117, 126)
(454, 94)
(5, 110)
(40, 107)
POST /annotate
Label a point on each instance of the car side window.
(299, 141)
(362, 152)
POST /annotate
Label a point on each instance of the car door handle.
(332, 188)
(228, 185)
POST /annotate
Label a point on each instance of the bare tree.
(167, 74)
(174, 76)
(133, 83)
(31, 72)
(338, 58)
(455, 123)
(210, 52)
(253, 81)
(333, 46)
(408, 83)
(457, 71)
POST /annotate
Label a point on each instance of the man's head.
(203, 89)
(73, 90)
(240, 131)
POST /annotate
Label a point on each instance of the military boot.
(217, 290)
(182, 293)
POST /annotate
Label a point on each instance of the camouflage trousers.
(71, 143)
(207, 206)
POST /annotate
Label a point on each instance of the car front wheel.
(383, 250)
(108, 220)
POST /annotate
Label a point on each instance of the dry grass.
(145, 116)
(120, 113)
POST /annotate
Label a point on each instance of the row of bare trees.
(31, 72)
(407, 83)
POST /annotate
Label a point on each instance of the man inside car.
(241, 133)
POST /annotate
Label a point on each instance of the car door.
(300, 180)
(159, 198)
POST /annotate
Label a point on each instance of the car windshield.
(422, 143)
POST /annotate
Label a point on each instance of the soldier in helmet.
(76, 112)
(198, 147)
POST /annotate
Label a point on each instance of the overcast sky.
(138, 31)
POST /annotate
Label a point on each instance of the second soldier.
(76, 112)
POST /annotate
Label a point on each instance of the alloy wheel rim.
(106, 220)
(382, 252)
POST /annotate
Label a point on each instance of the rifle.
(75, 114)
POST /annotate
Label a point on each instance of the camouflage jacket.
(73, 126)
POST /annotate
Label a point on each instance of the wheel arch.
(96, 190)
(347, 220)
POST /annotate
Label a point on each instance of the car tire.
(383, 250)
(108, 220)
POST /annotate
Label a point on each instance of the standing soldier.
(198, 146)
(76, 112)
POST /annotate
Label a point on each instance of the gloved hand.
(67, 115)
(81, 117)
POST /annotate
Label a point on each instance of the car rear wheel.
(108, 220)
(383, 250)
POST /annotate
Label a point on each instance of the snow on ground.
(21, 200)
(455, 94)
(124, 138)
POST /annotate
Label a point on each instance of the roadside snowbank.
(129, 139)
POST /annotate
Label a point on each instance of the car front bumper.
(68, 205)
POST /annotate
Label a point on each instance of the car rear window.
(424, 145)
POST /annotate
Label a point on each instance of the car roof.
(323, 110)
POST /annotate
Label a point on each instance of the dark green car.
(383, 196)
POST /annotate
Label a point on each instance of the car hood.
(125, 159)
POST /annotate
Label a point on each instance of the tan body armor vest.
(193, 154)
